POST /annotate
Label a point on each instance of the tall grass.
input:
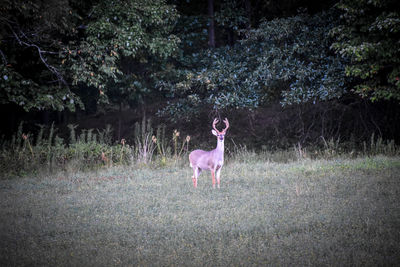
(144, 141)
(48, 153)
(89, 149)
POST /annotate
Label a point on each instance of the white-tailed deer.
(209, 160)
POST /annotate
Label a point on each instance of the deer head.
(216, 132)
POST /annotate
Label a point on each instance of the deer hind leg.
(196, 172)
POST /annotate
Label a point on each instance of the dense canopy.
(190, 56)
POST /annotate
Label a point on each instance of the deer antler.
(214, 123)
(226, 125)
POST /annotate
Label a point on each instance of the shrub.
(286, 59)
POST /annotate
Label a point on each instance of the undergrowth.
(46, 152)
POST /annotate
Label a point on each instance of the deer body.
(209, 160)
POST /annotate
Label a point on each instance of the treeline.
(185, 62)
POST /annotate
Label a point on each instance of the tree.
(125, 44)
(211, 24)
(232, 17)
(369, 36)
(32, 39)
(286, 60)
(295, 62)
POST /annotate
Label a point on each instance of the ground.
(309, 212)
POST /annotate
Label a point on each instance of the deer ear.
(214, 132)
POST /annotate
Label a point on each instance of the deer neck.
(220, 145)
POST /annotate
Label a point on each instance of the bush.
(286, 59)
(22, 156)
(87, 150)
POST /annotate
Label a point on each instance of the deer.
(210, 160)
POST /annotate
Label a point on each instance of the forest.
(288, 74)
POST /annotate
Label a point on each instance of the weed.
(144, 141)
(162, 144)
(93, 149)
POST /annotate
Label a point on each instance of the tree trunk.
(45, 117)
(247, 4)
(211, 26)
(119, 121)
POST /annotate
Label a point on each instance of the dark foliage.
(285, 72)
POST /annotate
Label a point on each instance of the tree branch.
(3, 57)
(40, 51)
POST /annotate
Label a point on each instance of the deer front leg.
(213, 178)
(218, 174)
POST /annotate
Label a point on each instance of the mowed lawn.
(315, 212)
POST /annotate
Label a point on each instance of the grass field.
(315, 212)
